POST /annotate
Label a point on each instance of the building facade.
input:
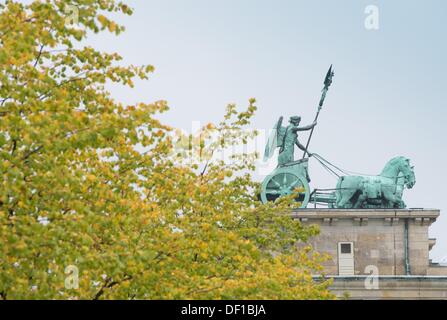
(378, 253)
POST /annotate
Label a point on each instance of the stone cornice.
(381, 277)
(422, 216)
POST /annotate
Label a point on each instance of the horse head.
(408, 172)
(400, 166)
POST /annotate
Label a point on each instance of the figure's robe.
(287, 144)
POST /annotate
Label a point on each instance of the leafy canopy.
(77, 191)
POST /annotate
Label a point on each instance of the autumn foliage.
(90, 183)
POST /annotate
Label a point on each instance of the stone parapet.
(420, 216)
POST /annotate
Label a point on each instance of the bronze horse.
(381, 191)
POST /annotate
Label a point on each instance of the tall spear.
(327, 83)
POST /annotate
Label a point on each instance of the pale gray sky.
(387, 99)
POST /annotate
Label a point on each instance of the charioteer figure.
(289, 138)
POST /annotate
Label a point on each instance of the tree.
(97, 199)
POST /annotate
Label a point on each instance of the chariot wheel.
(285, 183)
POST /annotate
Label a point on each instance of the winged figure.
(285, 138)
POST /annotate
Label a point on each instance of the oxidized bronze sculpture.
(352, 191)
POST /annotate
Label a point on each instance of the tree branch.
(38, 56)
(109, 284)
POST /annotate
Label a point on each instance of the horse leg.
(346, 188)
(361, 198)
(390, 198)
(344, 201)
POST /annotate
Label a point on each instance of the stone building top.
(425, 216)
(395, 242)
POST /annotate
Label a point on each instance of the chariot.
(287, 179)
